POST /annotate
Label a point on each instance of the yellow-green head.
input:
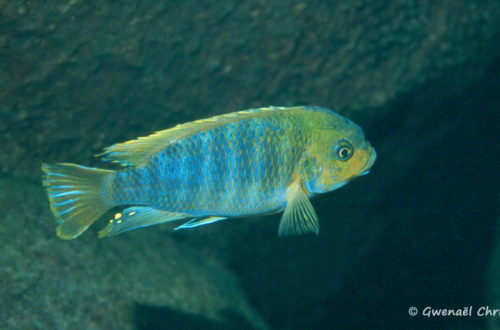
(338, 152)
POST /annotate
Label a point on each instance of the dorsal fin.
(134, 152)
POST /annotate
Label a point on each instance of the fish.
(252, 162)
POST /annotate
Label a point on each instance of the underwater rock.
(128, 282)
(76, 76)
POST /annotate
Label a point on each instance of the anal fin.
(136, 217)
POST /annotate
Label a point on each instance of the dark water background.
(423, 81)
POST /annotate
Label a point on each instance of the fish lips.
(371, 160)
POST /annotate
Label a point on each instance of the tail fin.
(75, 195)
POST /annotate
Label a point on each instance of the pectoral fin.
(199, 222)
(137, 217)
(299, 216)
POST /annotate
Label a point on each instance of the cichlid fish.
(257, 161)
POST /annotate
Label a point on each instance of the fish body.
(250, 162)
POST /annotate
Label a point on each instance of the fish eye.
(344, 150)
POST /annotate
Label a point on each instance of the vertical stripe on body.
(253, 163)
(233, 193)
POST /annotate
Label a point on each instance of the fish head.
(337, 154)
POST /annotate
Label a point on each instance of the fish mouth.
(371, 160)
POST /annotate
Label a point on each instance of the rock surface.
(131, 282)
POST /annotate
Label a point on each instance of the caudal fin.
(75, 196)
